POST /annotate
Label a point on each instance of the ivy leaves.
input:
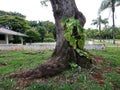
(74, 34)
(73, 30)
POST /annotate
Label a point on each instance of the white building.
(6, 35)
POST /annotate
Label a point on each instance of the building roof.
(10, 32)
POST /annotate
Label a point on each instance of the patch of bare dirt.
(34, 53)
(3, 64)
(99, 71)
(99, 78)
(98, 59)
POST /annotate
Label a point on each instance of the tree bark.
(64, 9)
(64, 53)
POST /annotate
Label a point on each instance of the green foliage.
(49, 40)
(73, 65)
(38, 86)
(33, 36)
(15, 23)
(68, 80)
(117, 36)
(112, 4)
(2, 13)
(42, 31)
(99, 20)
(7, 84)
(114, 78)
(84, 53)
(81, 42)
(18, 61)
(49, 35)
(50, 28)
(46, 29)
(112, 54)
(73, 33)
(106, 33)
(33, 24)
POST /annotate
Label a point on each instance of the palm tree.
(110, 4)
(98, 22)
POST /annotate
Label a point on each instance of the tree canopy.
(2, 13)
(36, 30)
(14, 21)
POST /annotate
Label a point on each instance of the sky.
(33, 10)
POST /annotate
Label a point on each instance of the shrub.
(49, 40)
(117, 36)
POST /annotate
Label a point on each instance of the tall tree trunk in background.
(113, 20)
(100, 34)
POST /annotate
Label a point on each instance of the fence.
(45, 46)
(41, 46)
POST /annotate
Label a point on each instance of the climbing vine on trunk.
(74, 34)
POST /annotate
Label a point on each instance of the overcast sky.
(33, 10)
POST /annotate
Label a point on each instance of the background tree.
(42, 32)
(17, 14)
(92, 34)
(50, 28)
(110, 4)
(15, 23)
(33, 36)
(2, 13)
(106, 33)
(33, 24)
(117, 33)
(98, 23)
(46, 29)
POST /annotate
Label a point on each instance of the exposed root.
(57, 63)
(45, 70)
(48, 69)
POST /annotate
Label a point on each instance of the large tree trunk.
(64, 53)
(64, 9)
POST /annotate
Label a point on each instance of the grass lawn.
(13, 61)
(16, 61)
